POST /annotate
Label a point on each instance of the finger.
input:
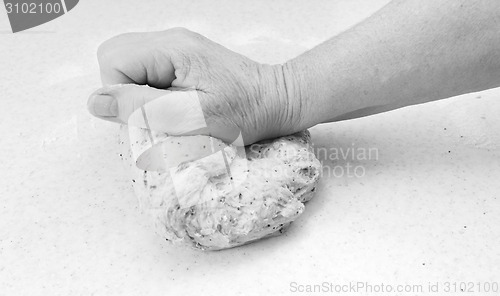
(139, 58)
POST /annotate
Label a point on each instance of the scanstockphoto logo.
(27, 14)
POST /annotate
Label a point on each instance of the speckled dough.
(215, 208)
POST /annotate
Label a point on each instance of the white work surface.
(427, 208)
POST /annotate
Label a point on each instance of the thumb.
(179, 112)
(117, 102)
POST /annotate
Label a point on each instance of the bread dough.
(227, 199)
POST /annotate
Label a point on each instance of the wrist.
(293, 107)
(280, 107)
(300, 94)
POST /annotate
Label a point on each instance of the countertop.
(422, 205)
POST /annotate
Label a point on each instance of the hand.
(235, 93)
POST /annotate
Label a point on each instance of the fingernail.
(103, 105)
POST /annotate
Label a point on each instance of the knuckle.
(104, 56)
(101, 52)
(115, 43)
(182, 34)
(179, 31)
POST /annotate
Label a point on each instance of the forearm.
(409, 52)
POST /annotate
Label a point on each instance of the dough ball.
(231, 197)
